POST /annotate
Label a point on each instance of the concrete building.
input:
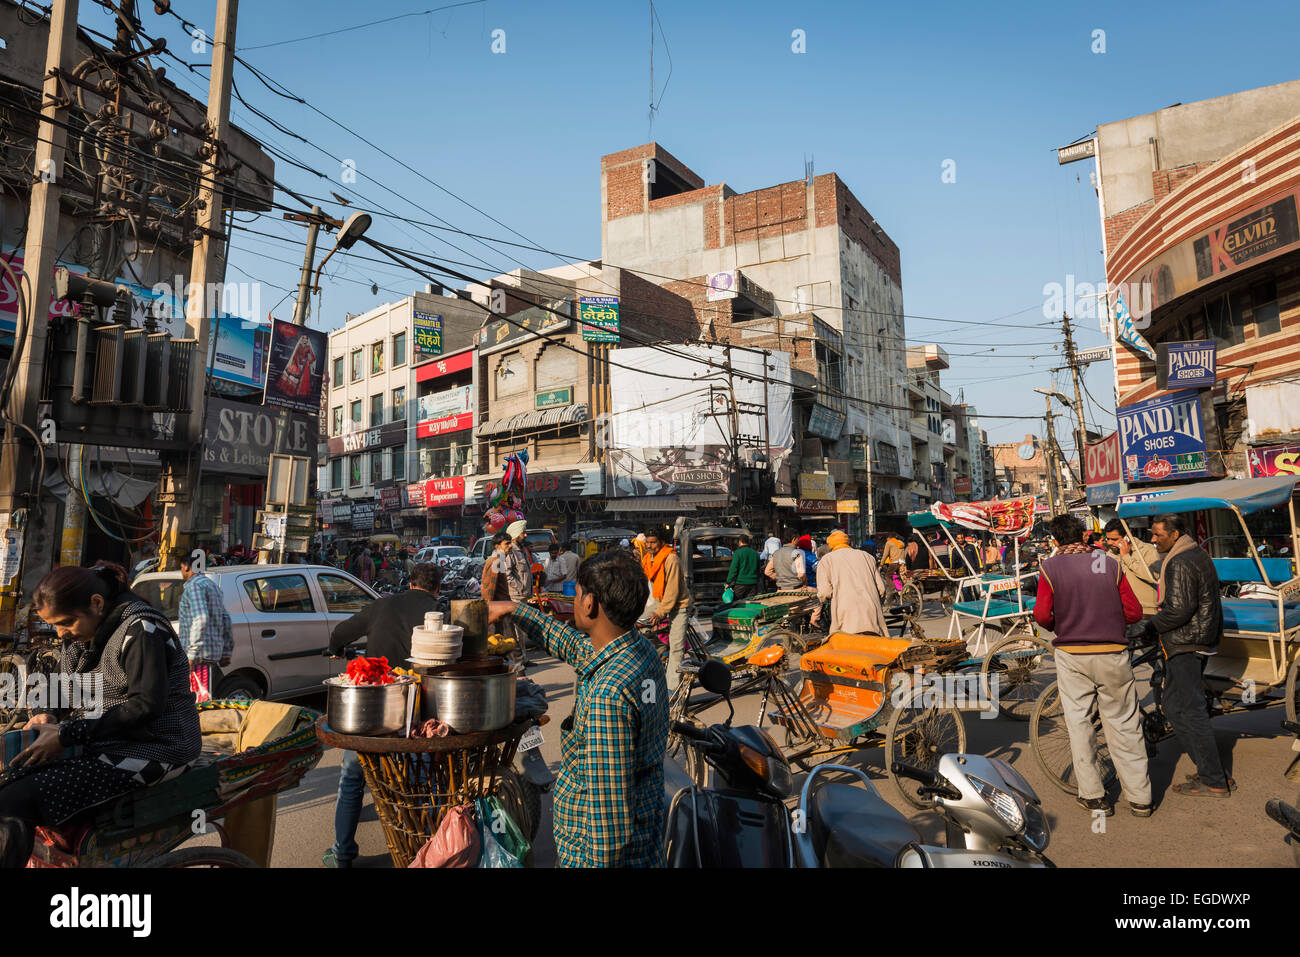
(1201, 210)
(925, 427)
(802, 261)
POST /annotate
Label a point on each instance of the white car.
(282, 617)
(439, 554)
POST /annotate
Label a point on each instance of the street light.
(351, 231)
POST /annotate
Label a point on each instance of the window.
(354, 471)
(399, 404)
(399, 349)
(336, 421)
(376, 410)
(1263, 304)
(337, 379)
(336, 473)
(163, 593)
(399, 463)
(1223, 315)
(376, 467)
(343, 594)
(356, 415)
(376, 358)
(280, 594)
(356, 365)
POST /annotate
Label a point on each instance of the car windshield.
(539, 539)
(451, 551)
(163, 593)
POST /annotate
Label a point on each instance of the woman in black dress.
(138, 724)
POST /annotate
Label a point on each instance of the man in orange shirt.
(673, 601)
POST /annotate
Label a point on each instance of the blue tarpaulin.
(1249, 495)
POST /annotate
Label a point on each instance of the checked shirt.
(202, 622)
(609, 800)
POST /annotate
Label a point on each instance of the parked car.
(440, 554)
(281, 616)
(539, 543)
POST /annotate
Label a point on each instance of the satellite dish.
(1026, 451)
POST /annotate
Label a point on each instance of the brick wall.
(764, 213)
(1165, 181)
(1117, 226)
(835, 204)
(657, 313)
(624, 173)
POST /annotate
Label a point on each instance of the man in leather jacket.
(1189, 624)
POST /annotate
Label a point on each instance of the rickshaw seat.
(1245, 570)
(1257, 614)
(856, 652)
(996, 609)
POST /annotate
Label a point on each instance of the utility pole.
(180, 485)
(1072, 361)
(308, 260)
(16, 493)
(1052, 487)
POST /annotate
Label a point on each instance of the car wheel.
(240, 688)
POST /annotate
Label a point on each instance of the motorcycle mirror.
(715, 677)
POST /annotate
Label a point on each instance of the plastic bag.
(728, 595)
(456, 844)
(504, 844)
(200, 679)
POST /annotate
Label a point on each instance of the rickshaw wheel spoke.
(1019, 663)
(1051, 743)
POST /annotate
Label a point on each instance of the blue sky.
(883, 95)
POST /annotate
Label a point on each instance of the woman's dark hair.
(618, 583)
(426, 576)
(68, 590)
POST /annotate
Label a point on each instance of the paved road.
(1184, 832)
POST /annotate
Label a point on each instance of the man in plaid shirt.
(203, 626)
(609, 800)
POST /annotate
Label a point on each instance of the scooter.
(994, 818)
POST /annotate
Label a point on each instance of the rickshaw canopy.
(1247, 495)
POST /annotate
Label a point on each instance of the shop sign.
(413, 495)
(848, 507)
(553, 398)
(721, 285)
(444, 491)
(826, 423)
(342, 511)
(440, 367)
(598, 317)
(655, 471)
(1102, 473)
(439, 405)
(817, 485)
(961, 485)
(394, 433)
(559, 484)
(814, 506)
(426, 335)
(1162, 438)
(295, 368)
(390, 498)
(363, 515)
(1278, 460)
(453, 423)
(858, 446)
(1186, 365)
(238, 438)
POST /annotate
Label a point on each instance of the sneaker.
(1096, 804)
(330, 859)
(1141, 810)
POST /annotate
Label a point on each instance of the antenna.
(807, 167)
(651, 119)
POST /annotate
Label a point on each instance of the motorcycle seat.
(851, 827)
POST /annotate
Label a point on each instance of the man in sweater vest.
(1084, 598)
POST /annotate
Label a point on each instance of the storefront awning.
(665, 504)
(526, 421)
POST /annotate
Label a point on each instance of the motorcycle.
(994, 819)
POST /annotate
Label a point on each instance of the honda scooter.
(994, 818)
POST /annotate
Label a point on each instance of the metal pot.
(366, 709)
(469, 697)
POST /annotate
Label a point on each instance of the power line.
(362, 26)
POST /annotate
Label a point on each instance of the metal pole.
(1047, 453)
(304, 284)
(38, 269)
(1073, 363)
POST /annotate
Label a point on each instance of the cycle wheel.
(920, 736)
(1050, 741)
(1015, 668)
(911, 595)
(201, 857)
(522, 800)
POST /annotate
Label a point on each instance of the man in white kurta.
(848, 577)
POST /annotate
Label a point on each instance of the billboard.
(1186, 365)
(1163, 438)
(296, 367)
(598, 316)
(241, 351)
(701, 470)
(1276, 460)
(426, 335)
(448, 411)
(1102, 473)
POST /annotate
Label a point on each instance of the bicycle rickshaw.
(146, 826)
(1257, 664)
(995, 621)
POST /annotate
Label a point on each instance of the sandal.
(1195, 788)
(1232, 782)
